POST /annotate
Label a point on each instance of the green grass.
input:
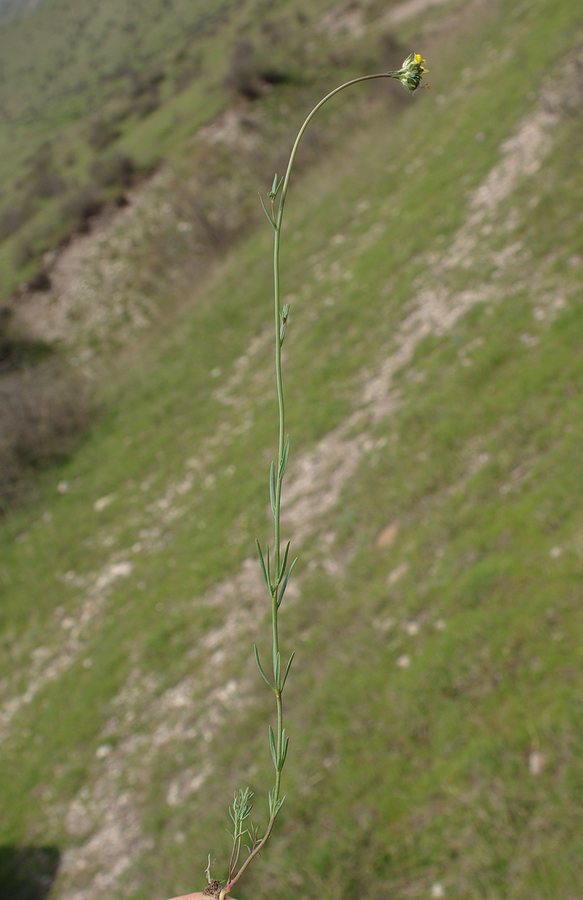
(400, 776)
(67, 66)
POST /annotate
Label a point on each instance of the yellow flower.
(412, 71)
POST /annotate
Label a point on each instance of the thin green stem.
(307, 121)
(279, 388)
(276, 220)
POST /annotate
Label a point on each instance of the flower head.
(412, 71)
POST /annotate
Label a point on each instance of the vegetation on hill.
(13, 9)
(434, 369)
(92, 97)
(206, 187)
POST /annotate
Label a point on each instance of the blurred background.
(432, 257)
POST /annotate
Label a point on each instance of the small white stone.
(103, 502)
(63, 487)
(398, 573)
(103, 751)
(437, 890)
(412, 628)
(121, 569)
(536, 762)
(217, 658)
(404, 661)
(555, 552)
(529, 340)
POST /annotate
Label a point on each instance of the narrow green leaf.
(276, 669)
(263, 568)
(287, 668)
(272, 746)
(274, 805)
(261, 669)
(284, 561)
(265, 210)
(272, 487)
(275, 187)
(267, 553)
(285, 745)
(284, 458)
(284, 581)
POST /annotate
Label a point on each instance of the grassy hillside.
(13, 9)
(434, 373)
(83, 87)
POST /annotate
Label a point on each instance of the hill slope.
(14, 9)
(92, 97)
(434, 372)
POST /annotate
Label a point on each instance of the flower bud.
(412, 71)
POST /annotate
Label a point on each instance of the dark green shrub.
(249, 74)
(46, 183)
(12, 218)
(102, 133)
(81, 206)
(43, 410)
(23, 254)
(144, 106)
(115, 169)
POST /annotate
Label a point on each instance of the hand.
(196, 896)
